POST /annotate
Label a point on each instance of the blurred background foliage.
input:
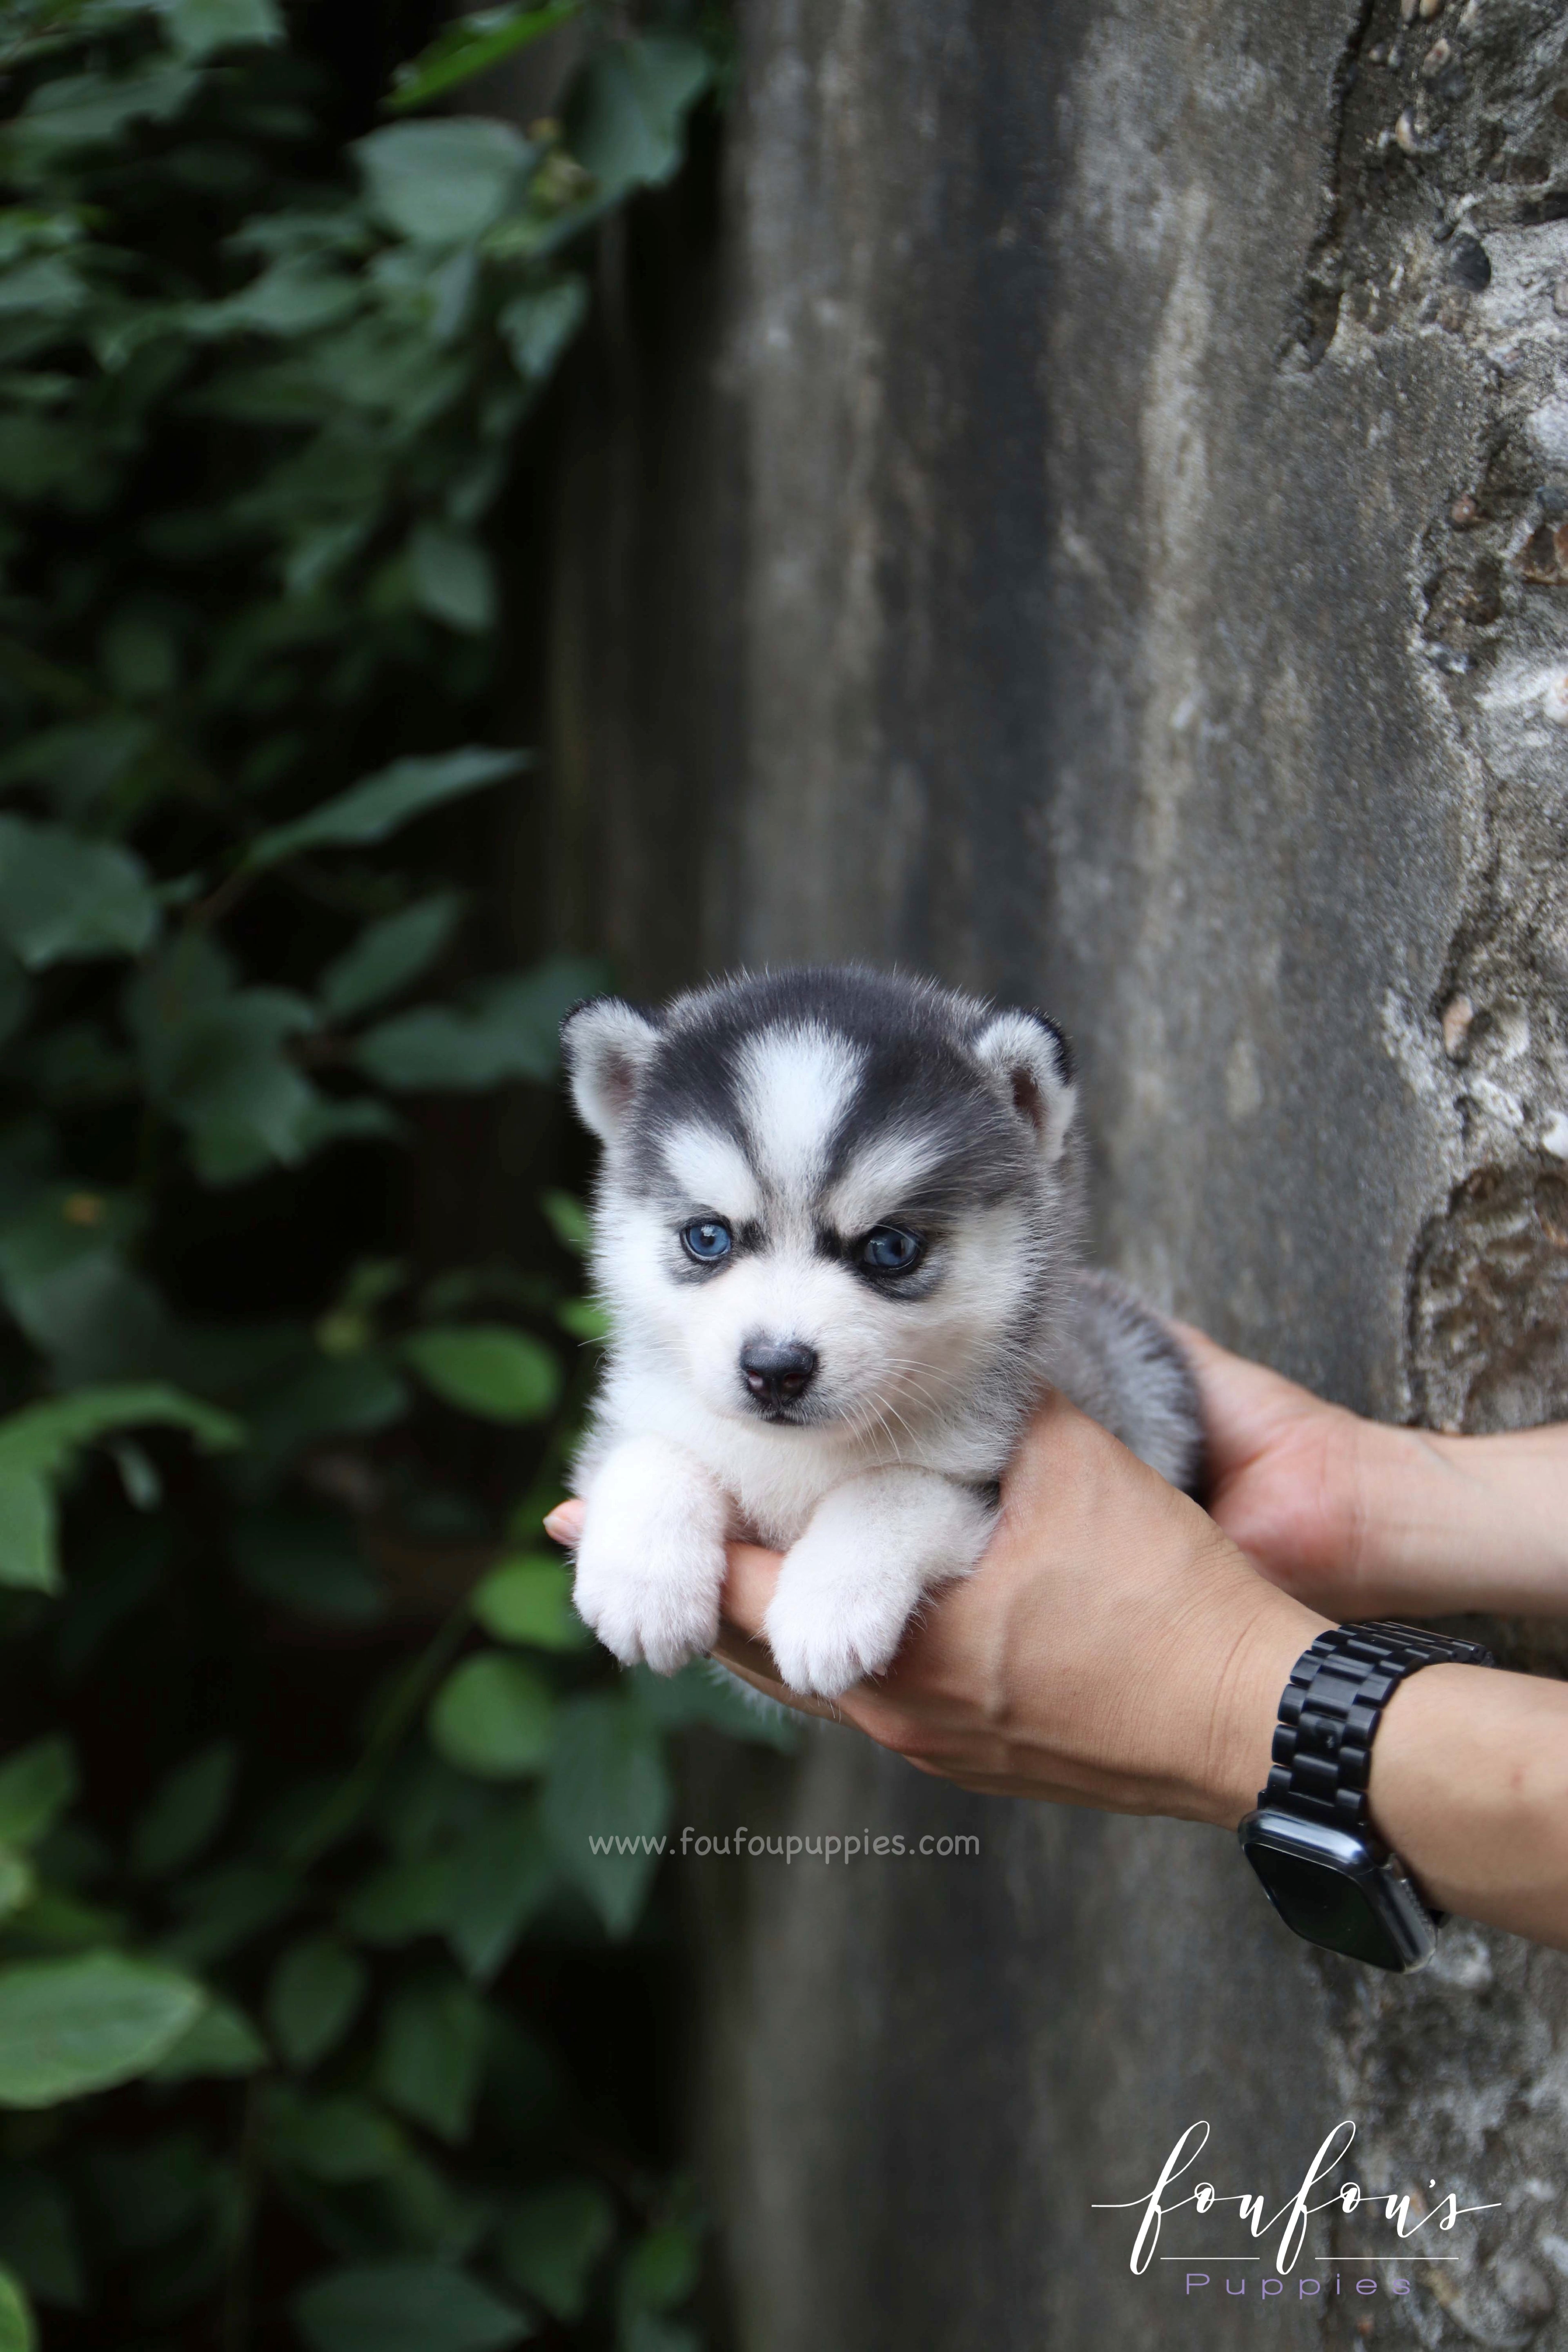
(322, 2024)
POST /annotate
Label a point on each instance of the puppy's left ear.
(606, 1045)
(1031, 1063)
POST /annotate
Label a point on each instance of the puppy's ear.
(1030, 1062)
(606, 1045)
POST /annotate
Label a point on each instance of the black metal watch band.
(1330, 1709)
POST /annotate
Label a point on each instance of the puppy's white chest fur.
(773, 1478)
(837, 1239)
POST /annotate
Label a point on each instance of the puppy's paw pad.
(823, 1647)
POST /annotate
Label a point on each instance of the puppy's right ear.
(1030, 1061)
(606, 1045)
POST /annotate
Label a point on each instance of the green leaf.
(40, 1443)
(186, 1814)
(390, 955)
(395, 795)
(530, 1600)
(569, 1220)
(452, 578)
(227, 1907)
(661, 2270)
(605, 1782)
(400, 1901)
(37, 2238)
(36, 1784)
(443, 183)
(61, 896)
(486, 1369)
(625, 116)
(18, 1882)
(52, 1922)
(325, 1396)
(67, 1282)
(90, 110)
(340, 2140)
(432, 2053)
(553, 2239)
(584, 1318)
(506, 1029)
(17, 2332)
(67, 2027)
(222, 2041)
(77, 764)
(213, 1057)
(405, 2306)
(315, 1994)
(647, 2331)
(704, 1692)
(196, 27)
(492, 1717)
(46, 1438)
(307, 1562)
(29, 1552)
(294, 297)
(429, 2216)
(499, 1878)
(537, 327)
(470, 45)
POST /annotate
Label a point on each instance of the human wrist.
(1246, 1695)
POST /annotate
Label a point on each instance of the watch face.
(1335, 1888)
(1325, 1906)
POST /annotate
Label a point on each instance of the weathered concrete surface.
(1099, 542)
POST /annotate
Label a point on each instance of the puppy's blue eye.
(890, 1249)
(707, 1241)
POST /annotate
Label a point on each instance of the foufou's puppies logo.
(1393, 2219)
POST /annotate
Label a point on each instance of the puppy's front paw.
(826, 1631)
(649, 1592)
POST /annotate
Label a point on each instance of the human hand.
(1361, 1519)
(1113, 1648)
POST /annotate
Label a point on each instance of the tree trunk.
(1095, 526)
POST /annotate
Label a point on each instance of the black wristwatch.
(1323, 1867)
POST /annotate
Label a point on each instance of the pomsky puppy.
(837, 1240)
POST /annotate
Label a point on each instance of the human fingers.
(1247, 1407)
(564, 1525)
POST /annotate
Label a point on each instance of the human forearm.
(1362, 1520)
(1469, 1786)
(1463, 1523)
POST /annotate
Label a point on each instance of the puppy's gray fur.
(798, 1114)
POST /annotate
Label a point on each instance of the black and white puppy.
(837, 1240)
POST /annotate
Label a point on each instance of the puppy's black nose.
(777, 1372)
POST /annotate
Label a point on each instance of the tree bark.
(1100, 534)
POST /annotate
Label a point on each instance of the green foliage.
(406, 2307)
(16, 2330)
(77, 2025)
(500, 1374)
(493, 1718)
(307, 1743)
(529, 1600)
(470, 45)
